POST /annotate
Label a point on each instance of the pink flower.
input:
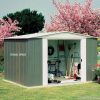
(97, 65)
(7, 29)
(75, 17)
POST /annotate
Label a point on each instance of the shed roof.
(53, 35)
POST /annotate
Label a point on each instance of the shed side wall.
(35, 62)
(91, 57)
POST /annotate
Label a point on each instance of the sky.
(44, 6)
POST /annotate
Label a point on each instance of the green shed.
(26, 57)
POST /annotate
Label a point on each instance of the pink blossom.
(97, 65)
(75, 17)
(7, 29)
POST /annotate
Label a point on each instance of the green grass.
(88, 91)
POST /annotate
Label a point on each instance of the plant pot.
(98, 79)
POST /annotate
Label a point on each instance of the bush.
(1, 69)
(1, 64)
(97, 71)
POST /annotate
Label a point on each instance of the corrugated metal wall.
(15, 58)
(23, 61)
(35, 62)
(91, 57)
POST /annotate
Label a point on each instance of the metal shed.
(26, 56)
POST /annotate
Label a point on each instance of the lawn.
(88, 91)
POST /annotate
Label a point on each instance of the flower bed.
(97, 72)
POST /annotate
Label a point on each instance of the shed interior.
(63, 60)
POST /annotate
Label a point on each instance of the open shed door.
(91, 57)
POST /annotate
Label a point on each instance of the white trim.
(83, 57)
(14, 83)
(41, 86)
(63, 36)
(44, 61)
(46, 34)
(20, 85)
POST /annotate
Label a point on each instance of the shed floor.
(63, 80)
(66, 82)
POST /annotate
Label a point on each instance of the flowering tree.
(7, 29)
(76, 18)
